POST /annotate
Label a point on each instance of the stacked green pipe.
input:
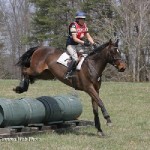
(43, 109)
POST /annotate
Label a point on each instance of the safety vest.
(80, 30)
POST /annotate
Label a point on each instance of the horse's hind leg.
(23, 86)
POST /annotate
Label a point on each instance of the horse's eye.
(118, 51)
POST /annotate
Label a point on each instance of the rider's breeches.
(72, 50)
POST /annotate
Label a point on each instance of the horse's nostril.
(122, 70)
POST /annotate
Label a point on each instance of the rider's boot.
(70, 68)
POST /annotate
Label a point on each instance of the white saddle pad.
(65, 59)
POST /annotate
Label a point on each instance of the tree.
(133, 28)
(15, 28)
(50, 21)
(100, 19)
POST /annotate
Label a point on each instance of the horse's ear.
(110, 41)
(116, 43)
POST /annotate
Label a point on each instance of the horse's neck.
(98, 63)
(100, 58)
(100, 66)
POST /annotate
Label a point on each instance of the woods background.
(27, 23)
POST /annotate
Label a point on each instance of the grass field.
(127, 103)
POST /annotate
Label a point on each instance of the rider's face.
(81, 21)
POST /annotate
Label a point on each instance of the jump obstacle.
(28, 116)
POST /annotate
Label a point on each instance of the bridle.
(113, 59)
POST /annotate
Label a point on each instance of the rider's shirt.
(79, 30)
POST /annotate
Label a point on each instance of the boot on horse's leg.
(70, 69)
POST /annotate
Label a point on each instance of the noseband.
(114, 59)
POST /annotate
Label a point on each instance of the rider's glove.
(94, 46)
(86, 43)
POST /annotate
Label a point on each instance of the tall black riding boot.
(70, 68)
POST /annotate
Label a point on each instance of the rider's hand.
(94, 46)
(86, 43)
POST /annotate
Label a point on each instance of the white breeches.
(72, 50)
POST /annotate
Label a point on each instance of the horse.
(41, 63)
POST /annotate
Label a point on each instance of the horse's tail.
(24, 60)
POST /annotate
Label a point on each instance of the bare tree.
(16, 23)
(133, 27)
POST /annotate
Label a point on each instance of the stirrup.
(67, 75)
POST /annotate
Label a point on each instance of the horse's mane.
(24, 60)
(99, 48)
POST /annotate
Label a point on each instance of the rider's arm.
(74, 36)
(90, 39)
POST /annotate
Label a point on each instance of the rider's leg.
(70, 68)
(71, 49)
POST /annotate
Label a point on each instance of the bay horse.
(41, 63)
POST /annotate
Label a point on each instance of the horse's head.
(115, 56)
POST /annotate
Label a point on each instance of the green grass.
(127, 103)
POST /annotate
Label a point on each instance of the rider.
(77, 31)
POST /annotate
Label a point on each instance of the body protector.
(74, 27)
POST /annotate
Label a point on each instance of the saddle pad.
(64, 59)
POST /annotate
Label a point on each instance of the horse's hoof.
(17, 90)
(109, 124)
(101, 134)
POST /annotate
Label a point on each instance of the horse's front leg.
(23, 86)
(96, 118)
(95, 97)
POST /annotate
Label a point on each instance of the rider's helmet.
(80, 14)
